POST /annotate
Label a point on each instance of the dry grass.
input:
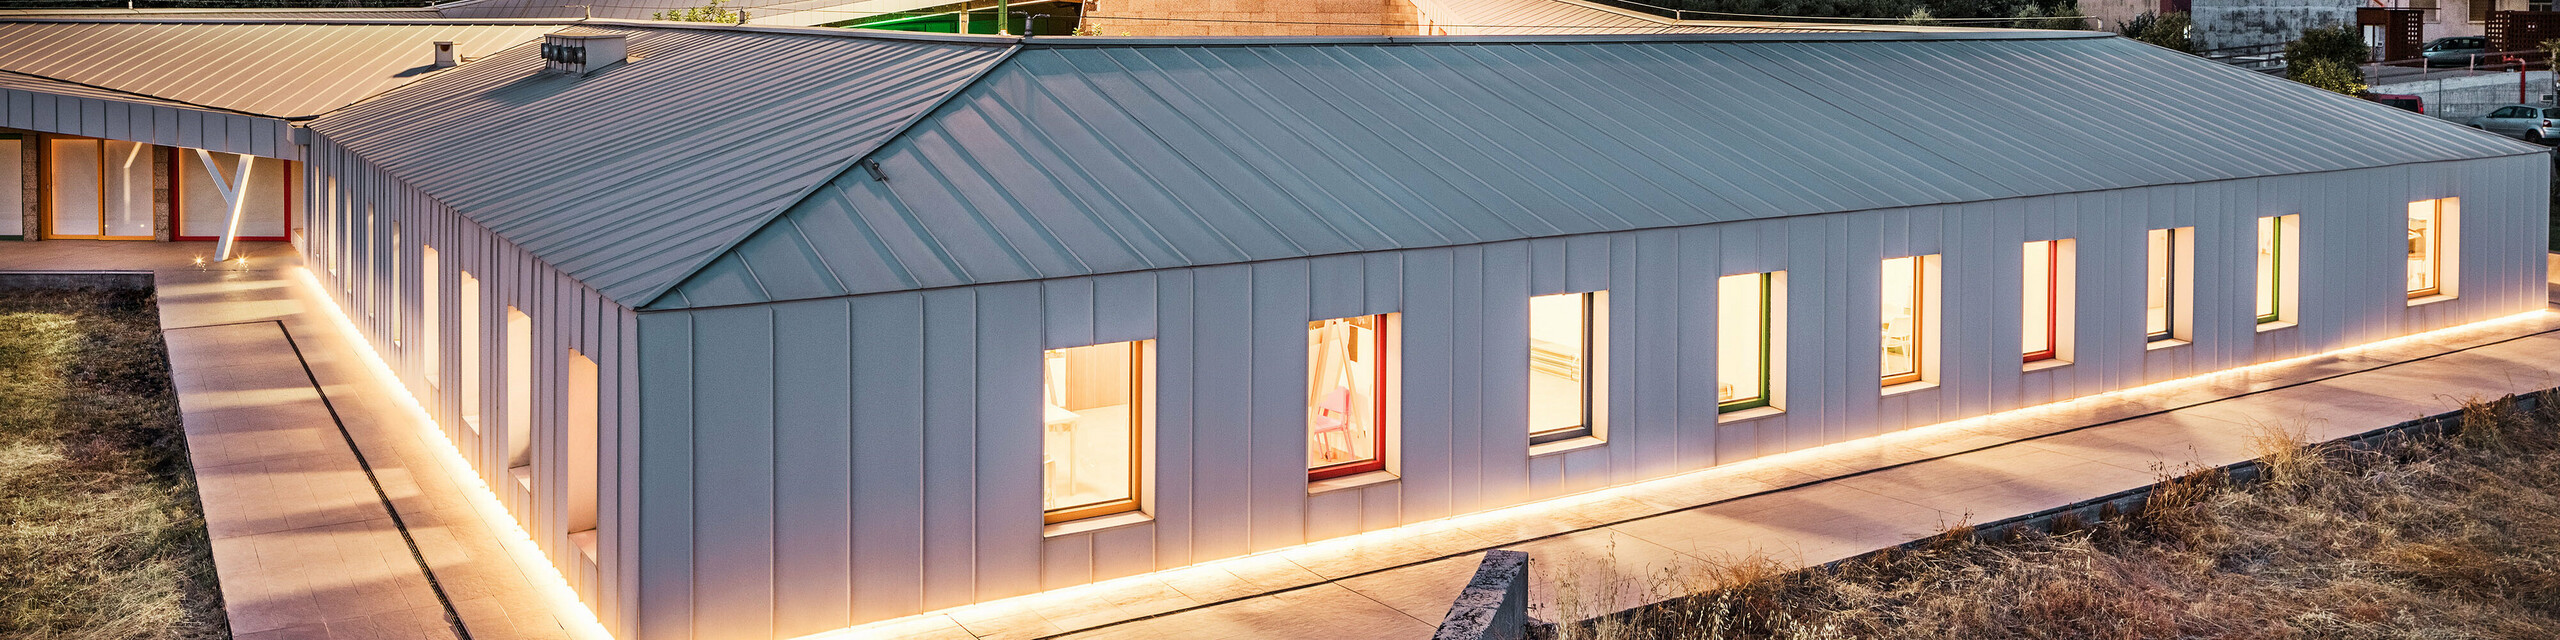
(2423, 537)
(101, 534)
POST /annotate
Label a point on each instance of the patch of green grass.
(101, 532)
(2428, 537)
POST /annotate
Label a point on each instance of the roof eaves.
(147, 96)
(766, 218)
(146, 19)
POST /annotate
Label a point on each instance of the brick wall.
(1253, 18)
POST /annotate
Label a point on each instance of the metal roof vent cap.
(444, 54)
(582, 54)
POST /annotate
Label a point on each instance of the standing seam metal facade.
(818, 463)
(566, 315)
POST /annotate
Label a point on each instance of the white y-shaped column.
(233, 193)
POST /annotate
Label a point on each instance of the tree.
(1920, 16)
(2341, 44)
(713, 12)
(2166, 30)
(2331, 75)
(2062, 16)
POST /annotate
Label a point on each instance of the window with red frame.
(2039, 309)
(1346, 396)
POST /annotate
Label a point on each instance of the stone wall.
(2222, 24)
(1252, 18)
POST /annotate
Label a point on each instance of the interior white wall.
(814, 464)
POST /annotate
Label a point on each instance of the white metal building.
(771, 331)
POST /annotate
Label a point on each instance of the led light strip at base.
(1076, 596)
(572, 613)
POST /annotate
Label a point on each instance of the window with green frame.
(2270, 269)
(1744, 338)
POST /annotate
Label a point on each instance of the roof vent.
(582, 54)
(444, 54)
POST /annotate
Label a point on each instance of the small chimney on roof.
(444, 54)
(582, 53)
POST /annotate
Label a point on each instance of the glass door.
(100, 189)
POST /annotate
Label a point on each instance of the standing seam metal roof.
(1099, 157)
(283, 70)
(630, 178)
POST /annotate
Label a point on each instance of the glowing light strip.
(566, 607)
(1077, 596)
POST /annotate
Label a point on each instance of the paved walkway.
(303, 543)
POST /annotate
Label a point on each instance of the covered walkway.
(299, 445)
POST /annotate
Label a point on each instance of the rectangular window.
(1092, 404)
(1743, 339)
(2039, 309)
(2161, 285)
(1905, 314)
(430, 315)
(101, 189)
(582, 409)
(372, 264)
(394, 285)
(1560, 371)
(520, 397)
(2271, 269)
(468, 290)
(2427, 226)
(1346, 396)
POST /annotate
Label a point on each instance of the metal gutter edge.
(766, 219)
(191, 105)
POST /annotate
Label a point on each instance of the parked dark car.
(2454, 51)
(2412, 103)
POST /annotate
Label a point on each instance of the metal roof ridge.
(767, 218)
(138, 94)
(1565, 38)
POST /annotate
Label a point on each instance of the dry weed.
(2427, 536)
(101, 534)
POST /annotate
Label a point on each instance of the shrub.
(2167, 30)
(713, 12)
(2330, 75)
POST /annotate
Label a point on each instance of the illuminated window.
(468, 289)
(520, 397)
(1091, 403)
(1346, 396)
(430, 318)
(2163, 284)
(582, 409)
(394, 285)
(1560, 371)
(2039, 309)
(2428, 224)
(1905, 314)
(2276, 281)
(1743, 340)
